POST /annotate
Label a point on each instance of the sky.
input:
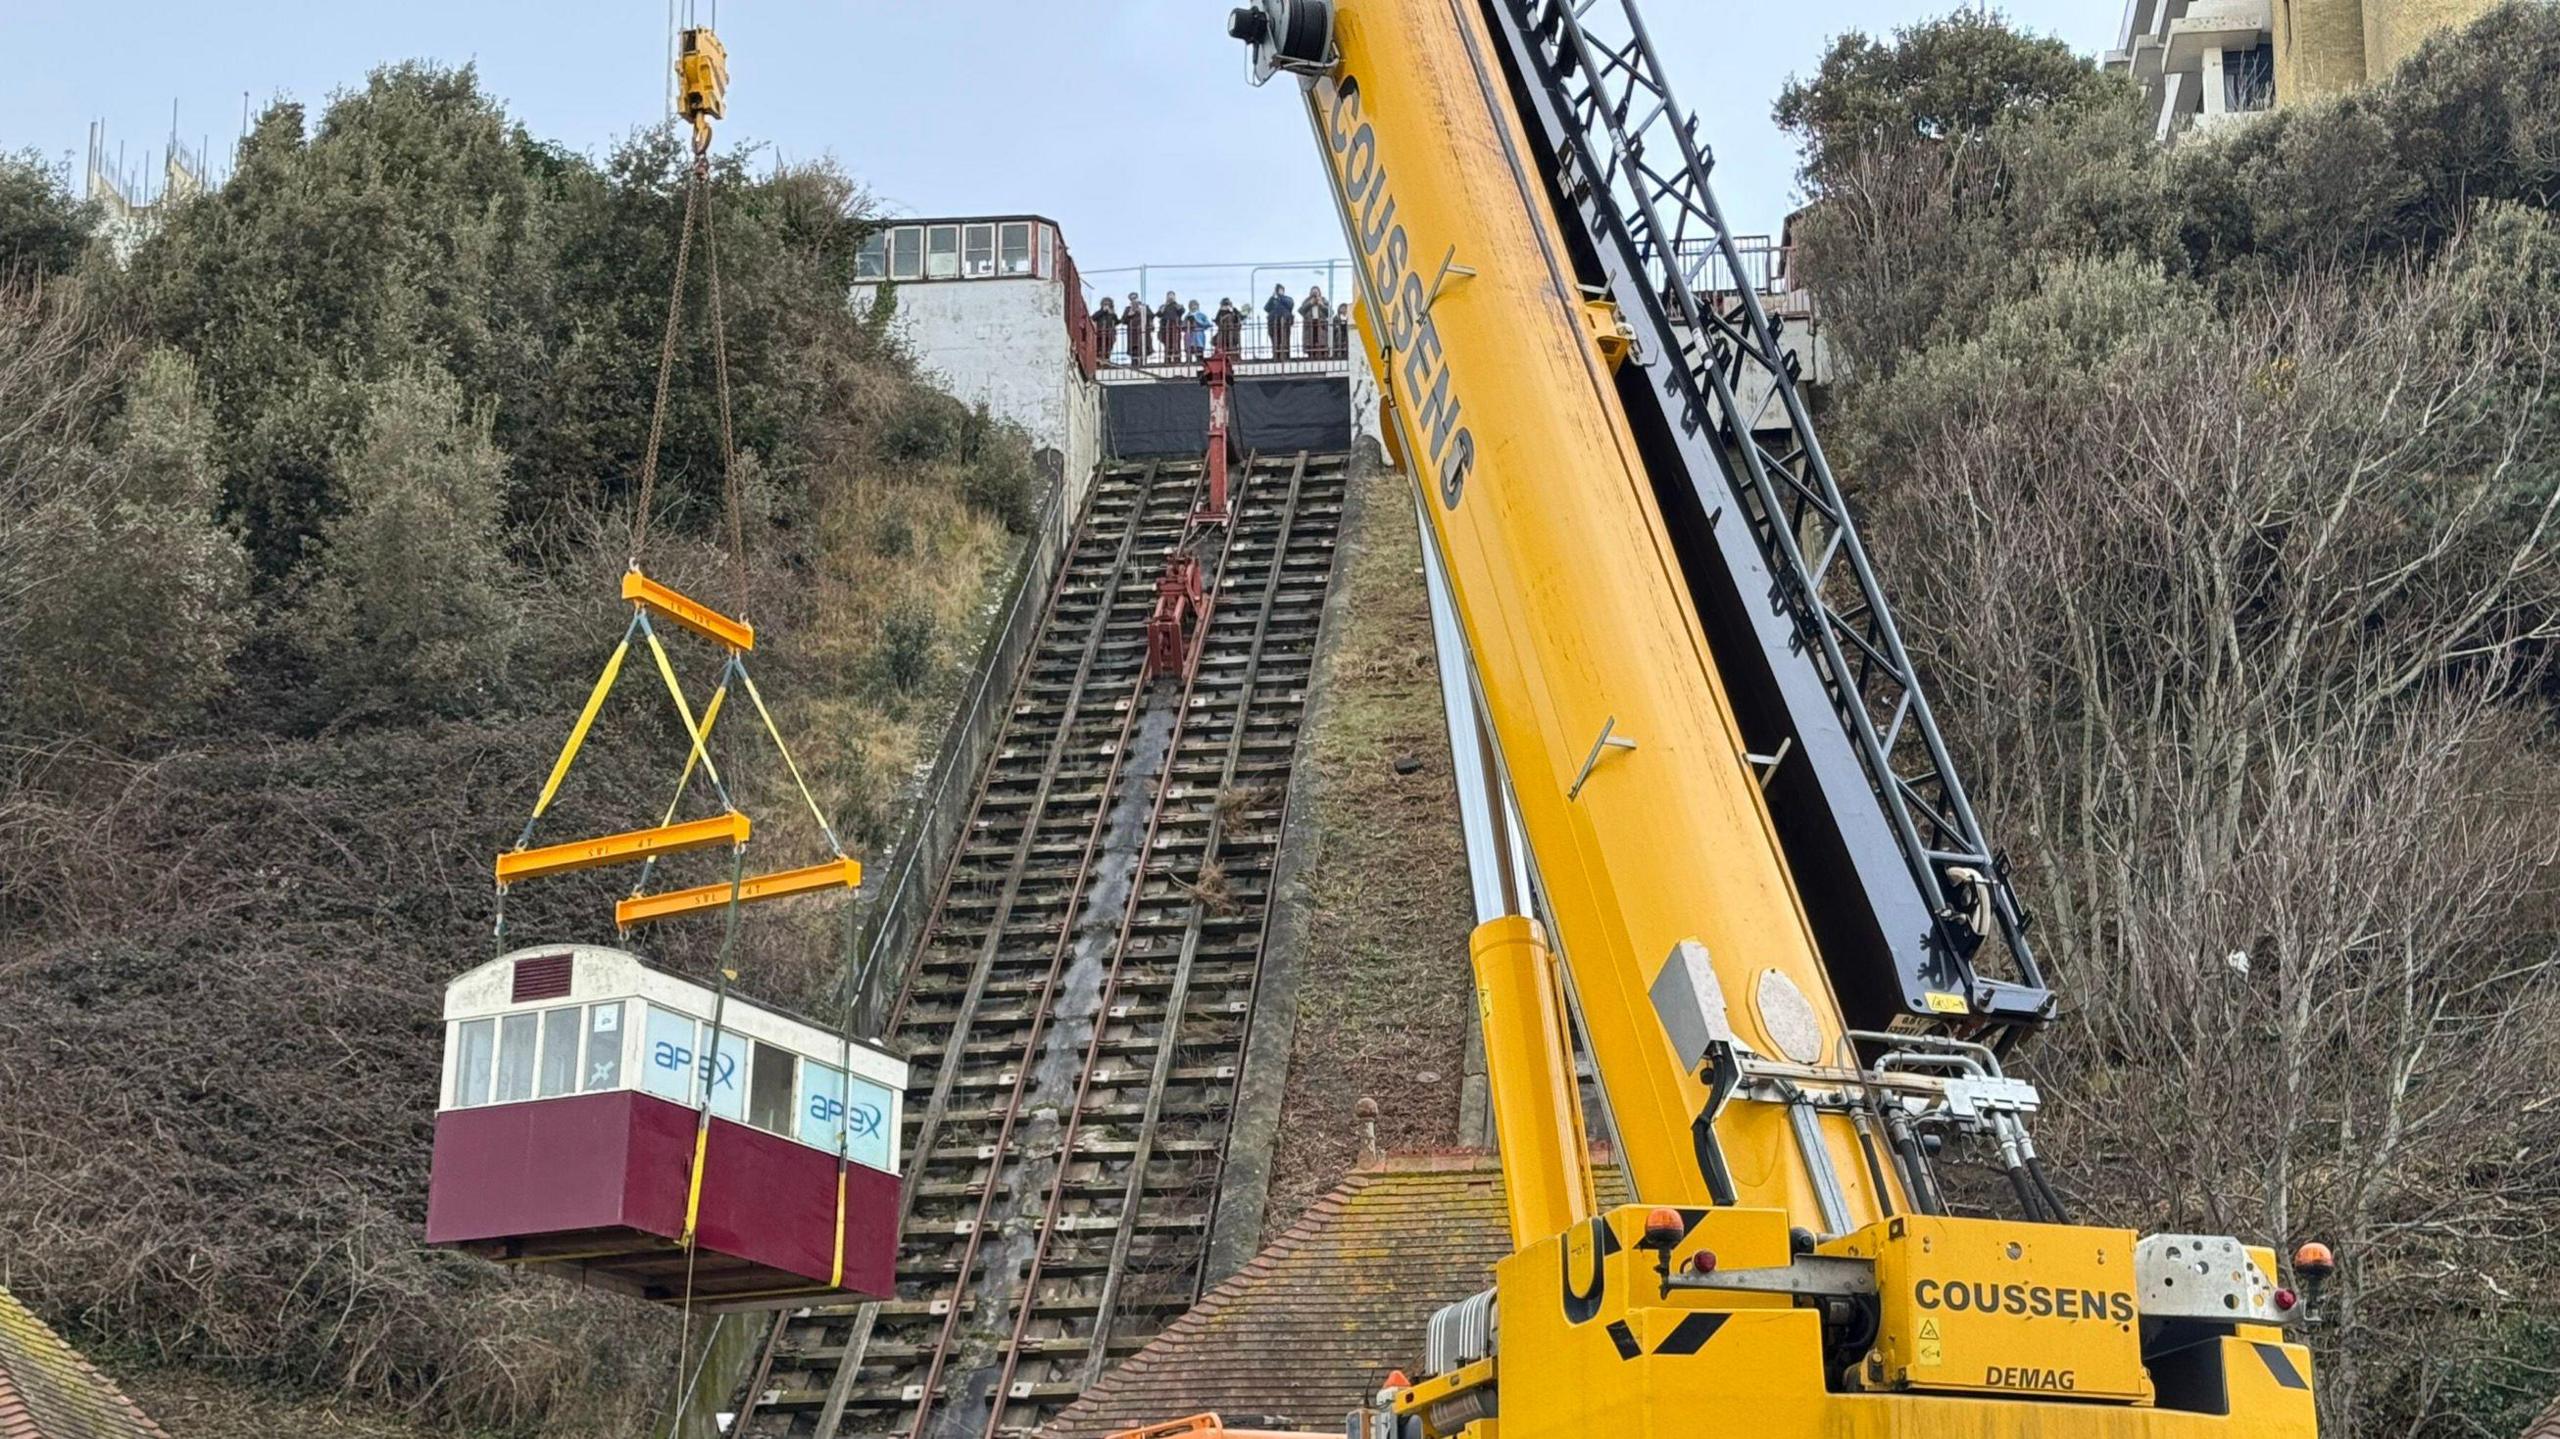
(1130, 122)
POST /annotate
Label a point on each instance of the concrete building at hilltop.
(2204, 63)
(992, 309)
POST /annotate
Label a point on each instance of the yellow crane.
(1715, 836)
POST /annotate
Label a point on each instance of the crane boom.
(1715, 834)
(1625, 760)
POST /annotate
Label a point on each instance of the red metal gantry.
(1179, 598)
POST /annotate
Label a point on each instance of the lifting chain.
(697, 202)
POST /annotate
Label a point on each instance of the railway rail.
(1077, 1009)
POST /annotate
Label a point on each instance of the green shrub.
(906, 647)
(893, 536)
(133, 595)
(42, 229)
(407, 604)
(929, 427)
(998, 483)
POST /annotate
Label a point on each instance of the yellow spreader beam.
(623, 848)
(642, 908)
(678, 608)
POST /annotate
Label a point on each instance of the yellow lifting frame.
(578, 731)
(678, 608)
(523, 864)
(642, 908)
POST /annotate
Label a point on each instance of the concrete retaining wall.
(1244, 1181)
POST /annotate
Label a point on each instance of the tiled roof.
(47, 1391)
(1304, 1333)
(2547, 1426)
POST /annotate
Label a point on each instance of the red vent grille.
(544, 977)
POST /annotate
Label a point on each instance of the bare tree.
(2242, 611)
(59, 360)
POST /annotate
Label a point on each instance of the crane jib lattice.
(1868, 801)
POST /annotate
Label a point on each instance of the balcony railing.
(1260, 345)
(1152, 350)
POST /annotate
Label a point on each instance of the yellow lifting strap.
(793, 765)
(684, 711)
(586, 722)
(693, 1191)
(835, 1276)
(710, 717)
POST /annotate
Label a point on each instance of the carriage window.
(821, 1103)
(478, 1044)
(728, 1077)
(871, 258)
(906, 253)
(866, 1124)
(942, 252)
(604, 1047)
(769, 1088)
(516, 1036)
(559, 1052)
(1017, 249)
(667, 1065)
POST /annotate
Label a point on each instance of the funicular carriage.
(574, 1078)
(644, 1133)
(623, 1126)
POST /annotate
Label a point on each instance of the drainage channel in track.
(1075, 1015)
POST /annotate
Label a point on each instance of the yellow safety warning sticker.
(1929, 1353)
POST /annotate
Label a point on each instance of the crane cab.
(574, 1081)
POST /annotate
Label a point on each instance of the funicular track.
(1076, 1012)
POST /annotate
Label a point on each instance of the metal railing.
(1160, 347)
(890, 920)
(1259, 342)
(1762, 264)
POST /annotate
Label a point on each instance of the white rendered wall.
(1003, 344)
(1367, 420)
(1081, 451)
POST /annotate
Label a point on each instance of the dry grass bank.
(1384, 992)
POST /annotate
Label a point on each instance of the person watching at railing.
(1134, 315)
(1317, 313)
(1230, 324)
(1195, 332)
(1169, 327)
(1281, 313)
(1106, 330)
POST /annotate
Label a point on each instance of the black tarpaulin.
(1150, 421)
(1282, 416)
(1277, 415)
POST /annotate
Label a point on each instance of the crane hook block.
(702, 81)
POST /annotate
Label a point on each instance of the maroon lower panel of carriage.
(593, 1186)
